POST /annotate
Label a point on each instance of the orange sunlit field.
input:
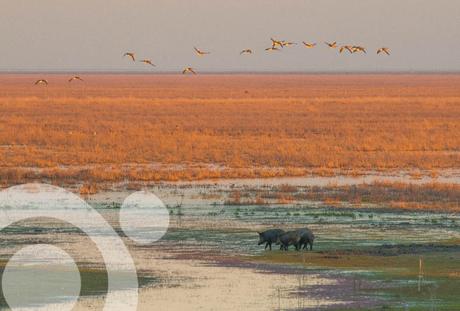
(166, 127)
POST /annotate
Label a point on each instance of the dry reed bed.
(433, 196)
(248, 126)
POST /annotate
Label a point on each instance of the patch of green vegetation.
(395, 280)
(346, 214)
(111, 205)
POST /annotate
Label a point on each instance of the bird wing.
(130, 55)
(75, 78)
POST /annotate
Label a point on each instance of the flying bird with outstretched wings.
(346, 47)
(332, 45)
(130, 54)
(200, 52)
(357, 48)
(41, 81)
(276, 43)
(272, 49)
(147, 62)
(287, 43)
(75, 78)
(246, 51)
(309, 45)
(383, 50)
(188, 70)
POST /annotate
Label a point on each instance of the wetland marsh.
(363, 258)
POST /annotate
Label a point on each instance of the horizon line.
(258, 72)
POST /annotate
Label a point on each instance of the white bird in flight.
(276, 43)
(272, 49)
(41, 81)
(346, 47)
(309, 45)
(188, 70)
(357, 48)
(147, 62)
(76, 78)
(287, 43)
(200, 52)
(383, 50)
(130, 54)
(247, 51)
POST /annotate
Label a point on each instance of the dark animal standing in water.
(269, 237)
(289, 238)
(306, 237)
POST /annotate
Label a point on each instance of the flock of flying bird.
(276, 45)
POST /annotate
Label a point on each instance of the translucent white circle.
(28, 201)
(40, 275)
(144, 218)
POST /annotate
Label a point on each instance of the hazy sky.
(424, 35)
